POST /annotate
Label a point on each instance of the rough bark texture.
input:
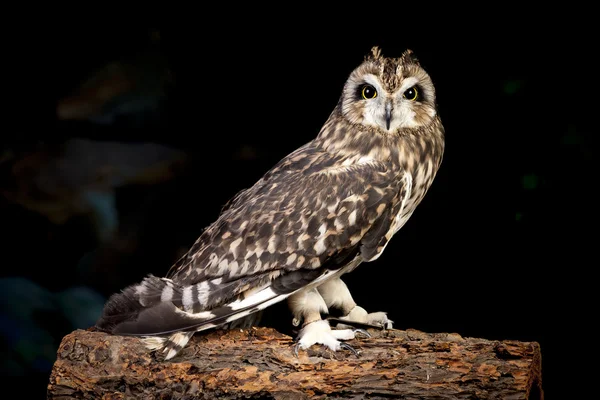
(260, 364)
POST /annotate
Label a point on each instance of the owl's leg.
(307, 306)
(335, 293)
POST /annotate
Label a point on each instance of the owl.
(324, 209)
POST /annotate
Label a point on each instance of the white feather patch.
(167, 293)
(234, 245)
(253, 299)
(399, 221)
(140, 289)
(338, 224)
(262, 306)
(291, 258)
(223, 266)
(213, 260)
(407, 84)
(154, 342)
(187, 299)
(233, 267)
(203, 290)
(322, 229)
(204, 315)
(180, 339)
(320, 246)
(245, 266)
(352, 218)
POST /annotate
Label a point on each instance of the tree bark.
(259, 363)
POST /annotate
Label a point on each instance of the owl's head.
(389, 94)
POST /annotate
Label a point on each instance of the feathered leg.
(335, 294)
(307, 306)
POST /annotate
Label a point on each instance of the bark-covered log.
(259, 363)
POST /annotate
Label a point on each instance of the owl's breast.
(418, 181)
(421, 158)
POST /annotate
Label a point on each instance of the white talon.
(319, 332)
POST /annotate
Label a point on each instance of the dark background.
(498, 248)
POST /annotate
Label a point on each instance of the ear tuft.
(375, 54)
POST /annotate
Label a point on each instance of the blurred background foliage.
(130, 140)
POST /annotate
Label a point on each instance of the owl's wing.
(305, 220)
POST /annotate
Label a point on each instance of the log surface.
(259, 363)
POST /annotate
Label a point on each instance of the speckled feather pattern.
(338, 198)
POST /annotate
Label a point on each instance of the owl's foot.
(319, 332)
(359, 314)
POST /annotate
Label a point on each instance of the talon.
(348, 347)
(296, 347)
(363, 332)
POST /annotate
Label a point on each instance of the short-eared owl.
(317, 214)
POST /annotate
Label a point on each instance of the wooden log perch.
(259, 363)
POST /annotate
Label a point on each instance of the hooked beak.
(388, 115)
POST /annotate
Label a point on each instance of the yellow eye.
(411, 94)
(368, 92)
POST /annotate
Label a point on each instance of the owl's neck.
(357, 142)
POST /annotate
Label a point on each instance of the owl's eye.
(368, 92)
(412, 94)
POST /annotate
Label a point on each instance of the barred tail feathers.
(162, 313)
(183, 325)
(149, 309)
(126, 306)
(170, 345)
(144, 308)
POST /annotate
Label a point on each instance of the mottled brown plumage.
(317, 214)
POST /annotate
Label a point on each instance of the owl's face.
(389, 94)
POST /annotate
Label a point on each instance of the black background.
(498, 249)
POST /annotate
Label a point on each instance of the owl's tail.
(170, 345)
(159, 306)
(167, 314)
(125, 307)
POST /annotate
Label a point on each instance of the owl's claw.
(348, 347)
(296, 347)
(363, 332)
(319, 332)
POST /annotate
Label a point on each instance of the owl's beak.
(388, 115)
